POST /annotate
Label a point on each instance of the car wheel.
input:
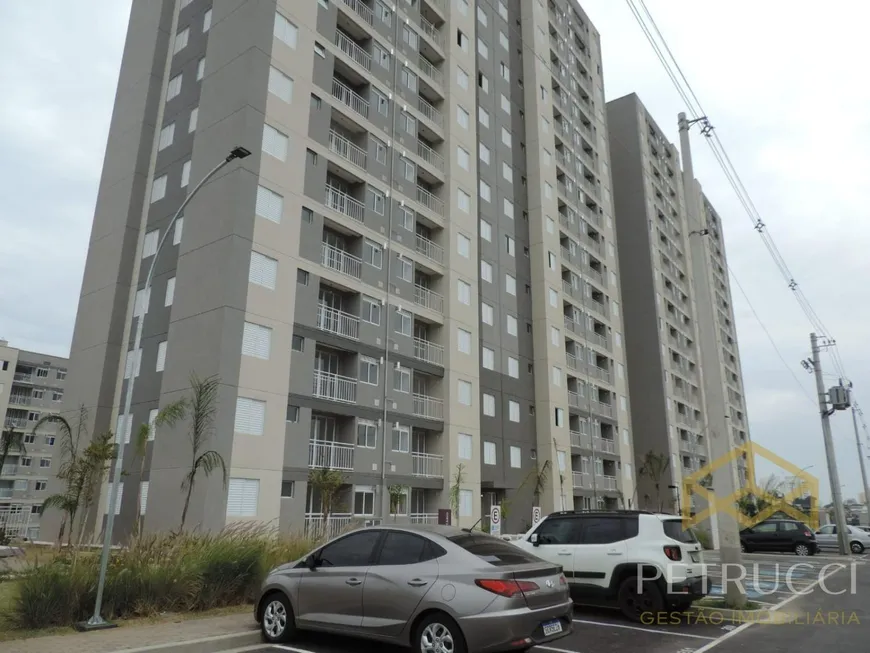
(277, 623)
(857, 547)
(636, 599)
(801, 549)
(438, 633)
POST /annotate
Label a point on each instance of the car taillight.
(563, 580)
(673, 553)
(508, 588)
(809, 533)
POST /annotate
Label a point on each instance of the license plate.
(552, 628)
(696, 556)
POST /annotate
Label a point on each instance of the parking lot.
(598, 630)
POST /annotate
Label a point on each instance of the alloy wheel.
(436, 638)
(274, 619)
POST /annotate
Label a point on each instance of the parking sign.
(495, 520)
(536, 515)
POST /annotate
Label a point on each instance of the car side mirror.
(311, 562)
(534, 539)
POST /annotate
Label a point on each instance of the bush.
(704, 540)
(160, 573)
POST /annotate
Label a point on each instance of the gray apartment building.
(412, 281)
(668, 258)
(31, 386)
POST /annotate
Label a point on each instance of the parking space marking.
(557, 650)
(281, 647)
(643, 630)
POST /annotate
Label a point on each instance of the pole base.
(89, 626)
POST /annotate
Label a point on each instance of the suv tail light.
(508, 588)
(809, 533)
(563, 580)
(674, 553)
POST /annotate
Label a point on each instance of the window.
(548, 190)
(484, 153)
(134, 360)
(507, 172)
(366, 434)
(483, 82)
(250, 416)
(463, 245)
(377, 200)
(463, 340)
(465, 446)
(516, 457)
(200, 69)
(489, 453)
(381, 102)
(288, 489)
(167, 135)
(161, 357)
(57, 396)
(483, 116)
(403, 322)
(551, 259)
(463, 158)
(485, 191)
(380, 152)
(486, 271)
(508, 208)
(560, 417)
(285, 31)
(489, 405)
(410, 37)
(487, 313)
(463, 200)
(461, 78)
(557, 376)
(280, 85)
(363, 502)
(270, 205)
(206, 21)
(488, 358)
(143, 496)
(185, 174)
(158, 189)
(243, 496)
(152, 424)
(142, 302)
(44, 463)
(510, 246)
(181, 40)
(505, 104)
(466, 498)
(402, 379)
(513, 367)
(409, 79)
(482, 50)
(615, 306)
(562, 462)
(463, 289)
(407, 169)
(510, 284)
(620, 371)
(481, 15)
(194, 118)
(177, 233)
(371, 310)
(401, 438)
(256, 341)
(461, 40)
(383, 13)
(406, 269)
(462, 117)
(513, 411)
(373, 254)
(485, 230)
(463, 389)
(118, 496)
(623, 404)
(263, 270)
(381, 56)
(617, 338)
(511, 325)
(174, 87)
(355, 549)
(275, 142)
(505, 72)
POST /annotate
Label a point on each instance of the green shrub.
(154, 574)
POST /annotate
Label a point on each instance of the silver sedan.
(437, 589)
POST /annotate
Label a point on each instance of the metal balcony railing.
(337, 322)
(429, 200)
(347, 150)
(431, 113)
(349, 97)
(363, 10)
(318, 527)
(428, 407)
(427, 464)
(335, 387)
(582, 480)
(604, 444)
(352, 50)
(430, 156)
(429, 249)
(424, 517)
(606, 482)
(332, 455)
(428, 299)
(340, 261)
(345, 204)
(580, 440)
(430, 352)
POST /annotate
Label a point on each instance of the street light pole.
(861, 457)
(96, 621)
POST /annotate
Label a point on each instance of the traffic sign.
(495, 520)
(536, 515)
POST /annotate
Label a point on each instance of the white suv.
(642, 561)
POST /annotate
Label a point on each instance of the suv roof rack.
(609, 511)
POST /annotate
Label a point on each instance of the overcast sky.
(779, 81)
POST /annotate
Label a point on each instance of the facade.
(31, 386)
(411, 282)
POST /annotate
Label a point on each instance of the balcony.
(347, 150)
(580, 440)
(686, 420)
(9, 470)
(428, 352)
(429, 70)
(429, 249)
(600, 408)
(606, 482)
(22, 378)
(597, 306)
(424, 518)
(350, 98)
(16, 422)
(353, 51)
(427, 464)
(574, 399)
(430, 156)
(428, 407)
(428, 299)
(582, 480)
(362, 10)
(599, 373)
(429, 201)
(430, 113)
(339, 260)
(19, 399)
(318, 527)
(604, 444)
(345, 204)
(338, 322)
(334, 387)
(432, 32)
(331, 455)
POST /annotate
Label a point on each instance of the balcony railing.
(332, 455)
(347, 150)
(599, 373)
(335, 387)
(424, 517)
(363, 10)
(344, 204)
(428, 407)
(604, 444)
(430, 156)
(340, 261)
(601, 408)
(23, 378)
(581, 440)
(428, 351)
(337, 322)
(16, 422)
(432, 32)
(428, 299)
(574, 399)
(318, 527)
(5, 492)
(430, 249)
(606, 482)
(431, 202)
(427, 464)
(19, 399)
(597, 338)
(582, 480)
(8, 470)
(353, 50)
(429, 70)
(431, 113)
(350, 98)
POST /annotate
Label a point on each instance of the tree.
(93, 465)
(396, 494)
(11, 439)
(455, 490)
(654, 467)
(201, 406)
(327, 483)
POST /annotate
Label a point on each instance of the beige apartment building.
(413, 280)
(31, 386)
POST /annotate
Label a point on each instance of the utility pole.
(724, 478)
(833, 474)
(860, 457)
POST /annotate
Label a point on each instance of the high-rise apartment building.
(665, 254)
(412, 282)
(31, 386)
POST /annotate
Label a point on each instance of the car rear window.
(492, 550)
(676, 530)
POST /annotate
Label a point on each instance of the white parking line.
(643, 630)
(553, 648)
(292, 649)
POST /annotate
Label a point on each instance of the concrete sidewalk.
(130, 636)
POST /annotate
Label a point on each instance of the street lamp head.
(238, 152)
(700, 232)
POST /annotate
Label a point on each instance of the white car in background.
(858, 539)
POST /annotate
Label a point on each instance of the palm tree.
(654, 467)
(202, 405)
(93, 466)
(10, 439)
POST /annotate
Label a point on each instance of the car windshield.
(492, 550)
(675, 530)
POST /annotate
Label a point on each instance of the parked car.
(858, 539)
(602, 552)
(782, 535)
(438, 589)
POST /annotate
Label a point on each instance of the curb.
(765, 616)
(203, 645)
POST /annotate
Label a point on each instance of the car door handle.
(564, 553)
(614, 552)
(417, 582)
(353, 581)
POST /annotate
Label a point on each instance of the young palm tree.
(94, 463)
(654, 467)
(201, 405)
